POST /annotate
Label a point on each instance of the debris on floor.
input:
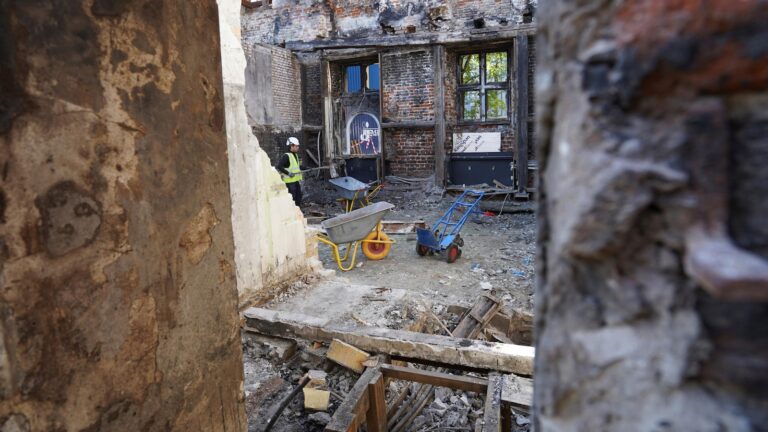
(374, 310)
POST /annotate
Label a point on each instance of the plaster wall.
(271, 240)
(118, 307)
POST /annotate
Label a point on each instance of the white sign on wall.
(477, 142)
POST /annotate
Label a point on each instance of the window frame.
(482, 87)
(363, 64)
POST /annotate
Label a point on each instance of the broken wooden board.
(316, 399)
(347, 355)
(517, 391)
(443, 349)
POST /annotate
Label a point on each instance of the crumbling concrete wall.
(651, 310)
(272, 244)
(118, 299)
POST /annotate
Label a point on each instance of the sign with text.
(477, 142)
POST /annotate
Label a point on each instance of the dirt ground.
(497, 258)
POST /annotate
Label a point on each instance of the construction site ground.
(498, 259)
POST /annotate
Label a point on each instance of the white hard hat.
(292, 141)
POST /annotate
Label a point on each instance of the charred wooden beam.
(408, 125)
(351, 413)
(486, 35)
(492, 407)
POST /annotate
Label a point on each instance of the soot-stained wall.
(651, 309)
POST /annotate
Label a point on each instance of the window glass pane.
(496, 104)
(470, 68)
(471, 104)
(496, 67)
(353, 79)
(372, 74)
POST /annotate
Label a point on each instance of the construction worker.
(290, 168)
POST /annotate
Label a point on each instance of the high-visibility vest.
(294, 168)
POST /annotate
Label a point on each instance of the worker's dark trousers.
(295, 190)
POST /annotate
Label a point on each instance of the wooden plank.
(492, 408)
(521, 68)
(350, 414)
(444, 349)
(517, 391)
(408, 125)
(376, 417)
(316, 399)
(347, 355)
(439, 79)
(466, 383)
(482, 312)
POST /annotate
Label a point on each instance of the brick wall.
(451, 111)
(312, 98)
(410, 152)
(286, 87)
(409, 95)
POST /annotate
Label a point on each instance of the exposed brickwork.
(312, 98)
(452, 117)
(410, 153)
(408, 79)
(286, 87)
(407, 73)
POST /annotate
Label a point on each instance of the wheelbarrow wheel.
(452, 254)
(421, 249)
(376, 251)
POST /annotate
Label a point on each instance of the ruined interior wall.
(118, 299)
(652, 138)
(407, 78)
(302, 20)
(273, 97)
(272, 245)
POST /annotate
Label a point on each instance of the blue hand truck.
(444, 237)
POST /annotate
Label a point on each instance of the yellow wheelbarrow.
(361, 226)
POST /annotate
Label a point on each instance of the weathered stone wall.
(271, 240)
(652, 134)
(118, 300)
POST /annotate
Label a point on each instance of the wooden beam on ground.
(517, 391)
(439, 379)
(351, 413)
(449, 350)
(376, 417)
(476, 318)
(492, 408)
(347, 355)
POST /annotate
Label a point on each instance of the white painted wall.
(272, 244)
